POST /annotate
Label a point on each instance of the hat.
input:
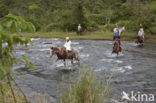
(67, 38)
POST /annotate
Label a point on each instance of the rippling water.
(134, 70)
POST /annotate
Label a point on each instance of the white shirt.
(67, 45)
(141, 33)
(79, 27)
(115, 30)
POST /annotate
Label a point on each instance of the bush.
(133, 26)
(3, 10)
(36, 23)
(109, 27)
(123, 23)
(152, 30)
(92, 26)
(52, 27)
(87, 89)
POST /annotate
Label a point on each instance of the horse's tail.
(77, 56)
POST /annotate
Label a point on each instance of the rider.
(141, 33)
(67, 45)
(117, 38)
(115, 31)
(141, 26)
(79, 27)
(118, 27)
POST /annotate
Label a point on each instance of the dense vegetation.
(49, 15)
(8, 42)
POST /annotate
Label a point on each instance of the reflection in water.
(132, 70)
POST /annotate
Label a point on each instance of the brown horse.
(140, 40)
(116, 48)
(62, 55)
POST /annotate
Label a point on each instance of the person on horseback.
(117, 45)
(141, 26)
(67, 46)
(118, 27)
(79, 27)
(141, 33)
(116, 38)
(115, 31)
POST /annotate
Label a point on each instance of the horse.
(140, 40)
(121, 30)
(116, 48)
(63, 55)
(79, 32)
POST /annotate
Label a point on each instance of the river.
(133, 70)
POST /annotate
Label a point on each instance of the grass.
(6, 94)
(96, 35)
(88, 88)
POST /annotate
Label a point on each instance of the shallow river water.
(134, 70)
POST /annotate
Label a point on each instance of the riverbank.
(96, 35)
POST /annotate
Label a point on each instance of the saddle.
(67, 52)
(117, 42)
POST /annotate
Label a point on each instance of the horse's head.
(122, 29)
(54, 50)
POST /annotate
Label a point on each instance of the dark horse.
(62, 55)
(116, 48)
(140, 40)
(79, 32)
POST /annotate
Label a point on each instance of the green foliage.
(8, 44)
(17, 24)
(153, 6)
(67, 14)
(34, 7)
(3, 10)
(52, 27)
(109, 27)
(71, 18)
(88, 88)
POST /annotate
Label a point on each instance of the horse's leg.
(117, 50)
(113, 50)
(64, 62)
(50, 53)
(121, 50)
(56, 62)
(117, 53)
(78, 61)
(71, 61)
(76, 57)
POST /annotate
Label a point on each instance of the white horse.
(121, 30)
